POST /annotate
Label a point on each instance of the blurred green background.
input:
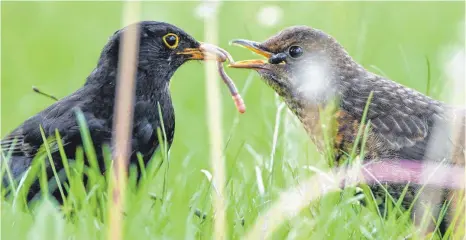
(55, 45)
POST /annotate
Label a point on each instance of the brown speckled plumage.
(309, 69)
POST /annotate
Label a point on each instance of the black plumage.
(163, 48)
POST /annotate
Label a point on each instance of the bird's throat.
(310, 115)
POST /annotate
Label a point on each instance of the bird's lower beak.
(205, 52)
(251, 64)
(254, 47)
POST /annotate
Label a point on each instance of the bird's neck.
(311, 108)
(151, 85)
(148, 84)
(309, 113)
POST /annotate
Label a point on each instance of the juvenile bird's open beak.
(205, 52)
(254, 47)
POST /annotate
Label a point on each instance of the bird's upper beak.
(205, 51)
(254, 47)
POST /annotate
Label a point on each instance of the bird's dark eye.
(171, 40)
(295, 51)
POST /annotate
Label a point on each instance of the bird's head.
(300, 62)
(162, 48)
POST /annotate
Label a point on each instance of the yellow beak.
(254, 47)
(203, 52)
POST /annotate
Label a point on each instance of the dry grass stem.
(123, 117)
(214, 117)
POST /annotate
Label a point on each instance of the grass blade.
(52, 164)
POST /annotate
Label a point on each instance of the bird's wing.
(24, 140)
(401, 118)
(13, 143)
(147, 120)
(27, 139)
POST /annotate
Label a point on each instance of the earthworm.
(239, 103)
(226, 54)
(219, 54)
(222, 56)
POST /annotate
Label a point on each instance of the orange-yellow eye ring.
(171, 40)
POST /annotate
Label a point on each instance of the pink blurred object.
(404, 171)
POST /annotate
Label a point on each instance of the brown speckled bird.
(309, 69)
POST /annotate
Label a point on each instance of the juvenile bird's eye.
(171, 40)
(295, 51)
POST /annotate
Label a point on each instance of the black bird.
(163, 48)
(309, 69)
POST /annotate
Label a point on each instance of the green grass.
(55, 45)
